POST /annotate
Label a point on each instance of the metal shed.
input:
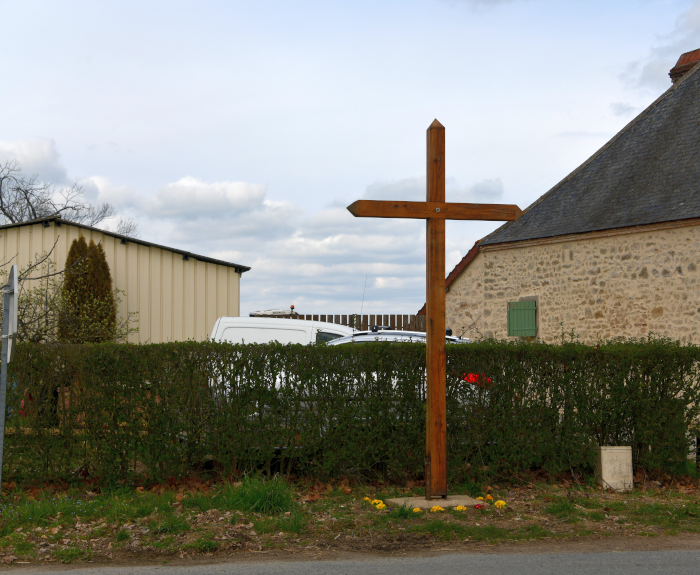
(178, 295)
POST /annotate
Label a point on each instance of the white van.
(267, 329)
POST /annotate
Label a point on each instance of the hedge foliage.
(121, 411)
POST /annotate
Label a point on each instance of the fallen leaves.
(243, 526)
(310, 497)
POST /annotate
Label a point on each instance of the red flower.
(479, 506)
(477, 379)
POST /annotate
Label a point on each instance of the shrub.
(89, 311)
(145, 413)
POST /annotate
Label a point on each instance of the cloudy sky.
(242, 130)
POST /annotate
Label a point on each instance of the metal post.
(9, 329)
(3, 370)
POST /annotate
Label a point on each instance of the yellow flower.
(381, 506)
(489, 498)
(367, 499)
(436, 508)
(500, 504)
(417, 510)
(376, 501)
(479, 498)
(460, 508)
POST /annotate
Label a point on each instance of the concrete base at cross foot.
(423, 503)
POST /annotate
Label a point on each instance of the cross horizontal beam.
(436, 210)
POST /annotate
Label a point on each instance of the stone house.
(613, 250)
(177, 295)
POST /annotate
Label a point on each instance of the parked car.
(282, 330)
(378, 333)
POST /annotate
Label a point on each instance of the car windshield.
(326, 336)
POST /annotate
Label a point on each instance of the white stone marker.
(423, 503)
(614, 468)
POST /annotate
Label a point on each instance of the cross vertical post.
(435, 211)
(436, 424)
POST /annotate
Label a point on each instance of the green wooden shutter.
(522, 318)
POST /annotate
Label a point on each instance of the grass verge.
(273, 515)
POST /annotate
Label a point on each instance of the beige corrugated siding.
(176, 299)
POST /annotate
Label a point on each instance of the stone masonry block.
(614, 468)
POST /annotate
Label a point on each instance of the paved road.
(638, 563)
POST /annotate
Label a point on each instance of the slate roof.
(648, 173)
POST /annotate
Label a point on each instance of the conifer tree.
(74, 264)
(89, 307)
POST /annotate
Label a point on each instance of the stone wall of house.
(628, 285)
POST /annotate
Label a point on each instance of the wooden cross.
(435, 211)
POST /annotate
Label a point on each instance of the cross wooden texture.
(435, 211)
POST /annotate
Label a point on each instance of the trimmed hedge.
(120, 411)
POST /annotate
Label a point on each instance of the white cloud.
(408, 189)
(318, 262)
(651, 73)
(413, 189)
(314, 261)
(584, 134)
(262, 223)
(486, 191)
(98, 190)
(390, 282)
(38, 157)
(622, 109)
(191, 198)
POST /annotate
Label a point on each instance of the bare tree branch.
(473, 326)
(25, 198)
(128, 227)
